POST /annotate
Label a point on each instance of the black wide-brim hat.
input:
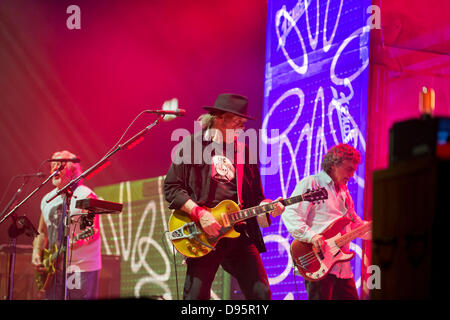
(233, 103)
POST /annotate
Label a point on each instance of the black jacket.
(189, 177)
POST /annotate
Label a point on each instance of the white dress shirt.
(305, 219)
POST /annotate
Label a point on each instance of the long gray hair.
(208, 119)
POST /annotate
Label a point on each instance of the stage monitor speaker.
(410, 218)
(25, 289)
(417, 138)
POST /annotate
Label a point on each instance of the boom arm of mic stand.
(66, 199)
(30, 195)
(106, 157)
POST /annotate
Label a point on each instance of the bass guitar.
(191, 241)
(44, 279)
(314, 265)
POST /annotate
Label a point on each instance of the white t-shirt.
(88, 256)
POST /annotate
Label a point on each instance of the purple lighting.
(316, 86)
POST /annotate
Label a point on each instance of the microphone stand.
(14, 231)
(66, 193)
(31, 194)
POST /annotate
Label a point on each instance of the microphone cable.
(174, 261)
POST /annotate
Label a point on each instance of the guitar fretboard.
(254, 211)
(356, 233)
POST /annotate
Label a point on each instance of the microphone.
(74, 160)
(169, 110)
(176, 113)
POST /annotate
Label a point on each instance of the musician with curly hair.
(307, 221)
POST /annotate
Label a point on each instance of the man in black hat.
(191, 185)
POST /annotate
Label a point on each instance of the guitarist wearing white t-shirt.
(85, 251)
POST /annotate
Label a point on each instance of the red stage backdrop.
(80, 89)
(410, 51)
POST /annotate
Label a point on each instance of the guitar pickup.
(320, 253)
(225, 219)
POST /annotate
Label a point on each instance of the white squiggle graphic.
(149, 280)
(285, 243)
(142, 245)
(135, 248)
(363, 31)
(289, 296)
(282, 41)
(162, 206)
(310, 141)
(313, 41)
(327, 42)
(282, 137)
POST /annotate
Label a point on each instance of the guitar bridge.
(191, 232)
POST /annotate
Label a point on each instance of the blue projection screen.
(315, 96)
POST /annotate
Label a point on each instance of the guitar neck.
(355, 233)
(242, 215)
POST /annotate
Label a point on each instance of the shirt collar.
(324, 178)
(211, 135)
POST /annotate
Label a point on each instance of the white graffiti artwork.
(138, 236)
(310, 95)
(134, 247)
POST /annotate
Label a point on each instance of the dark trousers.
(238, 257)
(85, 289)
(331, 288)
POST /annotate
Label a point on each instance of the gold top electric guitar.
(191, 241)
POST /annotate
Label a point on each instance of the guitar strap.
(349, 206)
(239, 163)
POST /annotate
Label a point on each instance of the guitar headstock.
(86, 233)
(315, 195)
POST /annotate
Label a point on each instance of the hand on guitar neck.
(278, 206)
(210, 225)
(222, 221)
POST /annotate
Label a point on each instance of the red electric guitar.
(313, 265)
